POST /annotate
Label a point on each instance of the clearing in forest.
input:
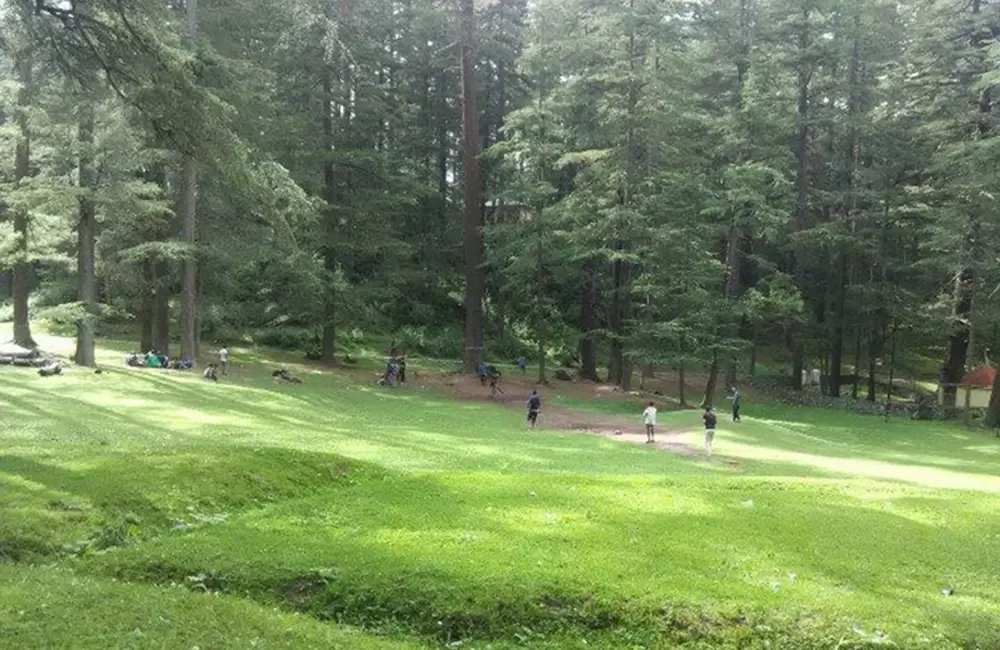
(152, 509)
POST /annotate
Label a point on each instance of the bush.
(812, 398)
(512, 347)
(288, 338)
(445, 343)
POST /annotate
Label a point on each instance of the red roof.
(981, 377)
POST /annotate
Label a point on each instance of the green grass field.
(152, 510)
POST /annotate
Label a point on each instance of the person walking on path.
(649, 419)
(710, 423)
(224, 360)
(735, 397)
(534, 406)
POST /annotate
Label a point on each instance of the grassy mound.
(408, 514)
(53, 608)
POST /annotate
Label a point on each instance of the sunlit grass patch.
(402, 511)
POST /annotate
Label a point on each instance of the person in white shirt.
(224, 360)
(649, 418)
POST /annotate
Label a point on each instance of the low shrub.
(288, 338)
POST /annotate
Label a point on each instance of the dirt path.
(619, 428)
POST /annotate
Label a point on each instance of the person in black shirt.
(534, 406)
(710, 423)
(401, 367)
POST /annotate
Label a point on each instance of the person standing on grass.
(224, 360)
(534, 406)
(710, 423)
(735, 397)
(401, 364)
(649, 419)
(522, 365)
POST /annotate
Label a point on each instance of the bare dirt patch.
(620, 428)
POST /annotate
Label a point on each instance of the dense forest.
(614, 185)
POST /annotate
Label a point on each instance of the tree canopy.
(617, 186)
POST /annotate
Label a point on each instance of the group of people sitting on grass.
(157, 359)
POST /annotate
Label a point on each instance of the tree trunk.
(588, 319)
(475, 279)
(189, 284)
(836, 359)
(958, 342)
(328, 344)
(189, 219)
(22, 169)
(619, 367)
(967, 411)
(857, 365)
(734, 270)
(872, 356)
(616, 360)
(837, 310)
(328, 338)
(86, 237)
(803, 79)
(993, 411)
(146, 307)
(681, 393)
(734, 246)
(626, 374)
(892, 362)
(161, 308)
(443, 149)
(542, 378)
(713, 380)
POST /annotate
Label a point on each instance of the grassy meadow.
(147, 509)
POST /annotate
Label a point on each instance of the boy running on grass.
(534, 406)
(494, 376)
(649, 418)
(710, 423)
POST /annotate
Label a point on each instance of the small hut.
(980, 381)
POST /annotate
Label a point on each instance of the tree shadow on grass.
(487, 556)
(910, 447)
(937, 444)
(104, 490)
(155, 491)
(895, 553)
